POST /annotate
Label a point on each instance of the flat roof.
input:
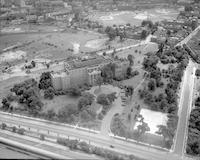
(87, 62)
(58, 74)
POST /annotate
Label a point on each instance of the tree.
(118, 127)
(147, 23)
(168, 33)
(49, 93)
(111, 97)
(99, 81)
(143, 128)
(103, 100)
(129, 72)
(85, 101)
(68, 113)
(74, 91)
(50, 114)
(85, 116)
(144, 34)
(6, 104)
(33, 63)
(111, 32)
(108, 72)
(129, 91)
(194, 24)
(152, 85)
(130, 58)
(45, 80)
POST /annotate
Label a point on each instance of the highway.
(97, 139)
(10, 152)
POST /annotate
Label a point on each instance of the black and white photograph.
(100, 79)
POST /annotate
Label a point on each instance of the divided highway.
(97, 139)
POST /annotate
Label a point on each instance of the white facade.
(60, 80)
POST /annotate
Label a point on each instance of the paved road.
(184, 107)
(46, 148)
(146, 41)
(97, 139)
(189, 36)
(106, 122)
(8, 152)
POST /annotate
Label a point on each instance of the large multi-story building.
(85, 71)
(79, 72)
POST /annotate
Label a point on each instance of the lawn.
(49, 45)
(138, 52)
(59, 102)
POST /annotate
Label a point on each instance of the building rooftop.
(58, 74)
(86, 62)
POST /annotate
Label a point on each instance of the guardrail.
(51, 122)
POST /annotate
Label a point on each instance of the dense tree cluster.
(49, 93)
(193, 141)
(28, 94)
(108, 72)
(68, 114)
(111, 32)
(106, 99)
(45, 81)
(167, 101)
(45, 84)
(85, 101)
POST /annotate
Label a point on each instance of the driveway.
(106, 122)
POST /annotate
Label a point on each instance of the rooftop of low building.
(87, 62)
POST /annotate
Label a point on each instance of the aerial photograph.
(100, 79)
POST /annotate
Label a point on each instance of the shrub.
(14, 129)
(100, 116)
(21, 131)
(3, 126)
(62, 141)
(42, 137)
(135, 73)
(85, 147)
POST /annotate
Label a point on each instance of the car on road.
(111, 146)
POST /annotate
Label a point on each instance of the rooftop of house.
(88, 62)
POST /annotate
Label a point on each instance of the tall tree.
(99, 81)
(131, 59)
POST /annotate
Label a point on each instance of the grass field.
(134, 18)
(48, 45)
(59, 102)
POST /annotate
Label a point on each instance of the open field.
(134, 18)
(48, 45)
(138, 52)
(59, 102)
